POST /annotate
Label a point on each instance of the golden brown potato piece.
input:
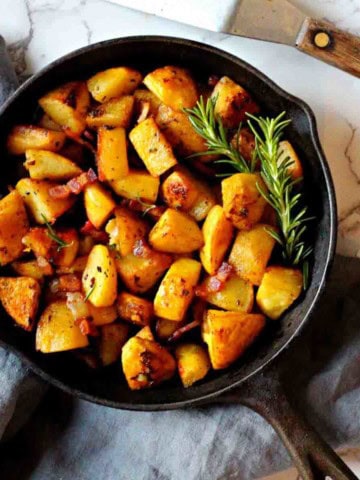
(30, 269)
(174, 86)
(65, 257)
(112, 159)
(125, 230)
(152, 147)
(47, 122)
(142, 96)
(218, 233)
(57, 331)
(135, 309)
(232, 102)
(20, 298)
(176, 290)
(24, 137)
(114, 113)
(46, 165)
(42, 206)
(77, 266)
(146, 363)
(251, 252)
(140, 273)
(193, 363)
(244, 142)
(165, 328)
(99, 204)
(178, 131)
(146, 334)
(288, 154)
(179, 190)
(113, 337)
(86, 243)
(205, 201)
(14, 224)
(137, 184)
(102, 315)
(100, 277)
(228, 334)
(242, 201)
(113, 82)
(67, 105)
(176, 232)
(237, 295)
(280, 287)
(39, 242)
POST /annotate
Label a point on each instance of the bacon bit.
(144, 111)
(213, 80)
(89, 135)
(76, 185)
(142, 249)
(89, 229)
(224, 272)
(60, 192)
(87, 327)
(216, 282)
(69, 283)
(181, 331)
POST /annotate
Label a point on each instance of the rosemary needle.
(52, 234)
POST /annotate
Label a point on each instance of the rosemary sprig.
(211, 128)
(280, 193)
(148, 206)
(90, 292)
(52, 234)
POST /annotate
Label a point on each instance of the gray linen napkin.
(70, 439)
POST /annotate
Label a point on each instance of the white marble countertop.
(39, 31)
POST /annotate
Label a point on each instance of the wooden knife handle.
(325, 42)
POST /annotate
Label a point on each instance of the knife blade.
(270, 20)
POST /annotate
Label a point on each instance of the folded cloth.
(70, 439)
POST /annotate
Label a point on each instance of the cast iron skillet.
(261, 390)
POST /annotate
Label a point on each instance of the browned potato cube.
(39, 242)
(251, 252)
(47, 122)
(46, 165)
(42, 206)
(180, 190)
(20, 298)
(135, 309)
(65, 257)
(165, 328)
(205, 201)
(137, 184)
(232, 102)
(114, 113)
(193, 363)
(228, 335)
(146, 334)
(102, 315)
(140, 273)
(237, 295)
(218, 233)
(24, 137)
(14, 224)
(176, 232)
(57, 331)
(29, 268)
(125, 230)
(145, 96)
(176, 290)
(78, 266)
(113, 338)
(244, 142)
(99, 204)
(146, 363)
(113, 82)
(242, 201)
(112, 159)
(67, 105)
(174, 86)
(280, 287)
(288, 154)
(152, 147)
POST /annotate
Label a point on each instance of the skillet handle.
(8, 79)
(312, 456)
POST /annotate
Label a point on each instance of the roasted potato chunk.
(193, 363)
(242, 201)
(174, 86)
(165, 328)
(176, 290)
(14, 224)
(142, 96)
(77, 266)
(46, 165)
(244, 142)
(288, 154)
(135, 309)
(218, 233)
(251, 252)
(42, 206)
(113, 82)
(114, 113)
(180, 190)
(237, 295)
(205, 201)
(20, 298)
(176, 232)
(112, 159)
(140, 273)
(102, 315)
(100, 277)
(232, 102)
(280, 287)
(152, 147)
(57, 331)
(99, 204)
(228, 334)
(146, 363)
(113, 338)
(47, 122)
(67, 106)
(30, 269)
(137, 184)
(25, 137)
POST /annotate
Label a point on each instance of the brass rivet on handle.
(322, 39)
